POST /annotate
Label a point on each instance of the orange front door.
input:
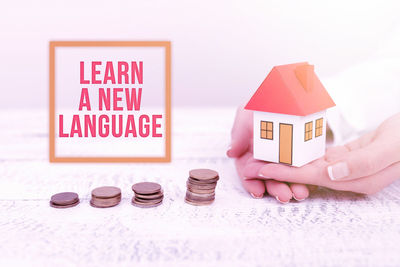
(285, 143)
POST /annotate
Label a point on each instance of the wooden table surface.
(328, 229)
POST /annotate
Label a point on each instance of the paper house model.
(290, 115)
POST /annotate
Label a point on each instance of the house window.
(267, 130)
(308, 131)
(318, 127)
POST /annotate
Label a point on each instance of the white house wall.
(302, 152)
(265, 149)
(312, 149)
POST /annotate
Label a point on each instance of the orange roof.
(291, 89)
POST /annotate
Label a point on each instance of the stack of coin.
(105, 197)
(64, 200)
(201, 186)
(147, 194)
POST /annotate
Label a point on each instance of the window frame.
(308, 132)
(320, 127)
(266, 130)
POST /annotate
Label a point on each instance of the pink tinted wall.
(222, 50)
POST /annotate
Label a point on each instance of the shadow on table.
(326, 193)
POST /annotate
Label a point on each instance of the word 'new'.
(108, 101)
(126, 73)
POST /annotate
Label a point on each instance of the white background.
(221, 50)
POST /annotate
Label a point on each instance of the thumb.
(242, 132)
(363, 161)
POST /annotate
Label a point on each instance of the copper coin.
(103, 206)
(201, 191)
(150, 197)
(194, 199)
(146, 188)
(104, 203)
(202, 182)
(196, 203)
(64, 198)
(106, 192)
(64, 206)
(199, 197)
(140, 204)
(204, 186)
(203, 174)
(148, 201)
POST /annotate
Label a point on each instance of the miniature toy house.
(290, 115)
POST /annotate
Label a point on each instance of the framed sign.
(110, 101)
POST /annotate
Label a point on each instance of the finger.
(361, 142)
(256, 188)
(364, 161)
(240, 163)
(312, 173)
(251, 171)
(300, 191)
(374, 183)
(334, 153)
(252, 168)
(241, 134)
(279, 190)
(370, 184)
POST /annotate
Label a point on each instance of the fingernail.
(262, 175)
(338, 171)
(264, 172)
(256, 196)
(277, 198)
(300, 199)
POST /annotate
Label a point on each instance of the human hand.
(365, 165)
(241, 150)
